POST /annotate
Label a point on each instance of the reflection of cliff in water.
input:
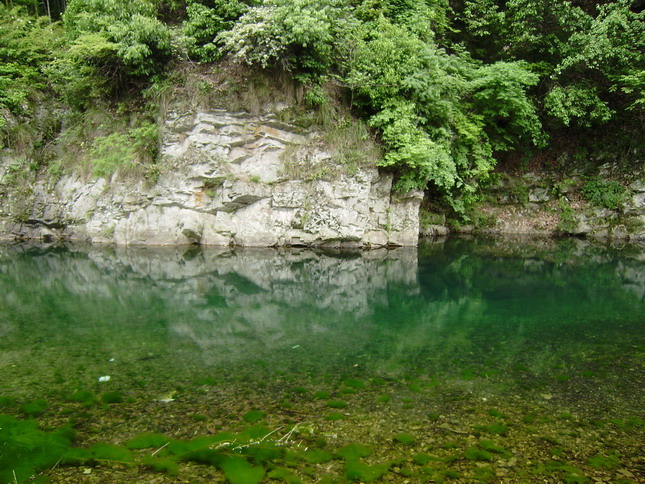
(442, 309)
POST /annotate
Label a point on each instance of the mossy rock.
(239, 471)
(110, 452)
(25, 449)
(473, 453)
(336, 404)
(7, 402)
(86, 397)
(163, 465)
(358, 471)
(284, 475)
(497, 428)
(407, 439)
(315, 456)
(34, 408)
(112, 397)
(147, 441)
(490, 446)
(357, 384)
(604, 461)
(354, 451)
(332, 417)
(253, 416)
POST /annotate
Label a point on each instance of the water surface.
(532, 347)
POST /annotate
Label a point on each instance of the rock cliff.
(609, 204)
(225, 179)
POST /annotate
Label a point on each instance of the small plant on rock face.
(135, 149)
(567, 222)
(604, 193)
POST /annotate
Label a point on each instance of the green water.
(470, 360)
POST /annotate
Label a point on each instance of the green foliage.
(531, 30)
(577, 103)
(297, 35)
(205, 23)
(113, 45)
(567, 221)
(135, 149)
(591, 63)
(499, 95)
(441, 116)
(604, 193)
(18, 173)
(613, 47)
(27, 45)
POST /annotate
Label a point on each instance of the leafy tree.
(296, 35)
(611, 52)
(441, 116)
(590, 56)
(27, 45)
(114, 45)
(536, 31)
(204, 24)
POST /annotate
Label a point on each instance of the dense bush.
(591, 62)
(205, 22)
(113, 45)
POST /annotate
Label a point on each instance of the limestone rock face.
(226, 179)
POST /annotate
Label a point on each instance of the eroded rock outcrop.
(225, 179)
(549, 204)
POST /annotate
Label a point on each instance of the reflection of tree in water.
(464, 309)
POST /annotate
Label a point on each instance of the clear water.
(442, 343)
